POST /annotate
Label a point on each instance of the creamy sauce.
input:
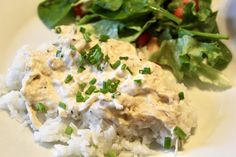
(150, 110)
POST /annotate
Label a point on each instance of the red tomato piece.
(179, 12)
(78, 10)
(143, 39)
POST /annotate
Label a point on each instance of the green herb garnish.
(123, 67)
(181, 95)
(58, 30)
(115, 95)
(40, 107)
(79, 97)
(82, 30)
(87, 37)
(110, 86)
(111, 153)
(68, 78)
(95, 55)
(90, 90)
(116, 64)
(69, 130)
(104, 38)
(124, 58)
(129, 70)
(62, 105)
(179, 133)
(93, 81)
(81, 69)
(145, 71)
(139, 81)
(167, 143)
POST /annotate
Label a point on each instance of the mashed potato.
(96, 98)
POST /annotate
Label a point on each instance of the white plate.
(215, 135)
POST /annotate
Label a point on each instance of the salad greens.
(186, 30)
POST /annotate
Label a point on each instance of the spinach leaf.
(112, 5)
(189, 58)
(51, 12)
(129, 9)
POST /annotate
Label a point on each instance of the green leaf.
(190, 58)
(51, 12)
(112, 5)
(130, 9)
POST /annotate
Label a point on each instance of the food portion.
(181, 35)
(95, 97)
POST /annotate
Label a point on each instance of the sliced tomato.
(179, 12)
(78, 10)
(143, 39)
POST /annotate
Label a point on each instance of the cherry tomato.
(179, 12)
(143, 39)
(78, 10)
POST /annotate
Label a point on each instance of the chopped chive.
(82, 86)
(68, 78)
(62, 105)
(93, 81)
(124, 58)
(90, 90)
(58, 53)
(104, 38)
(97, 91)
(129, 70)
(69, 130)
(111, 153)
(181, 95)
(110, 86)
(139, 81)
(167, 143)
(146, 70)
(123, 67)
(72, 47)
(58, 30)
(116, 64)
(115, 95)
(87, 37)
(95, 55)
(81, 60)
(82, 30)
(81, 69)
(79, 97)
(179, 133)
(41, 107)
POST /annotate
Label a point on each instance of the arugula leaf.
(189, 58)
(51, 12)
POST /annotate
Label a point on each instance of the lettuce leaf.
(51, 12)
(190, 58)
